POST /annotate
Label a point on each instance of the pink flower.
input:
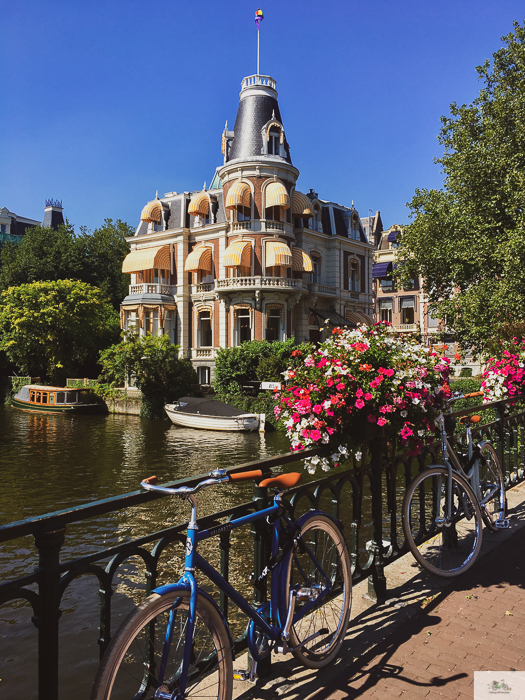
(359, 403)
(340, 386)
(382, 420)
(317, 408)
(315, 435)
(309, 362)
(368, 396)
(371, 418)
(359, 393)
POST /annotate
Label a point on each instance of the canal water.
(50, 462)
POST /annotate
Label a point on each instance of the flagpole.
(258, 32)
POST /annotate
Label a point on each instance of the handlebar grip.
(150, 480)
(474, 393)
(246, 476)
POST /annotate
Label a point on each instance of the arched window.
(354, 281)
(316, 264)
(274, 137)
(205, 334)
(243, 324)
(274, 322)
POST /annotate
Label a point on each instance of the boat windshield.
(71, 397)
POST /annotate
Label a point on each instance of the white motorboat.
(205, 414)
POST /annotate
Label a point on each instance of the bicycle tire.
(127, 671)
(448, 551)
(490, 478)
(328, 545)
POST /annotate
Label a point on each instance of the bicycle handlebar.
(472, 395)
(218, 476)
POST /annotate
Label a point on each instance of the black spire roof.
(258, 107)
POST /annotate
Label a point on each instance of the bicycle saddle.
(286, 481)
(469, 419)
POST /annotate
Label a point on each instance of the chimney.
(53, 216)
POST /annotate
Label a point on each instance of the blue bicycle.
(177, 644)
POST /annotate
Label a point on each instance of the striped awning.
(147, 259)
(301, 261)
(238, 253)
(301, 205)
(358, 317)
(152, 212)
(278, 254)
(199, 204)
(277, 196)
(238, 195)
(198, 259)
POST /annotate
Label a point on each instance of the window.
(273, 327)
(407, 310)
(151, 321)
(274, 138)
(387, 284)
(203, 375)
(205, 331)
(432, 318)
(409, 285)
(354, 284)
(316, 274)
(385, 310)
(44, 397)
(131, 319)
(32, 396)
(243, 326)
(273, 213)
(60, 397)
(3, 228)
(243, 213)
(38, 397)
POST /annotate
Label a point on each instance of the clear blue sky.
(103, 103)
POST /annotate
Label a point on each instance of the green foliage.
(49, 254)
(57, 328)
(255, 360)
(263, 403)
(154, 363)
(465, 372)
(467, 240)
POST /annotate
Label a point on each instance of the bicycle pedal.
(241, 675)
(502, 524)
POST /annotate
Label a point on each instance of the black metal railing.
(366, 498)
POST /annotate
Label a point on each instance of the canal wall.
(129, 403)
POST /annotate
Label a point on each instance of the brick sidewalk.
(476, 624)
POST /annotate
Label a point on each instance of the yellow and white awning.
(277, 196)
(238, 253)
(152, 212)
(157, 258)
(198, 259)
(199, 204)
(301, 205)
(278, 254)
(238, 195)
(301, 261)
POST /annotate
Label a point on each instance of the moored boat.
(55, 399)
(204, 414)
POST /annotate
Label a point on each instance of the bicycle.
(177, 643)
(446, 503)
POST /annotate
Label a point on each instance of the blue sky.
(103, 103)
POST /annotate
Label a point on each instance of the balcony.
(148, 288)
(406, 327)
(262, 226)
(234, 284)
(322, 290)
(201, 353)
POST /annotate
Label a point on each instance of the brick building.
(252, 256)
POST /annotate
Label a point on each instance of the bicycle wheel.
(130, 667)
(321, 571)
(451, 547)
(492, 486)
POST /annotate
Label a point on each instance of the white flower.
(358, 456)
(416, 401)
(342, 449)
(404, 414)
(315, 460)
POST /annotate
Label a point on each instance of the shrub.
(465, 372)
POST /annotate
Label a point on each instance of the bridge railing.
(365, 496)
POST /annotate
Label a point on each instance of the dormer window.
(273, 142)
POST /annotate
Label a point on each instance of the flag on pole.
(258, 17)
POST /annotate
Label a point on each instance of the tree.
(56, 328)
(54, 254)
(156, 367)
(468, 239)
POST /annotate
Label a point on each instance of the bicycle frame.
(279, 622)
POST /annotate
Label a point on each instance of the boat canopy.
(207, 407)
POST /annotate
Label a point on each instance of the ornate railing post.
(46, 620)
(377, 580)
(261, 555)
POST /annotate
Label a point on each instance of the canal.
(50, 462)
